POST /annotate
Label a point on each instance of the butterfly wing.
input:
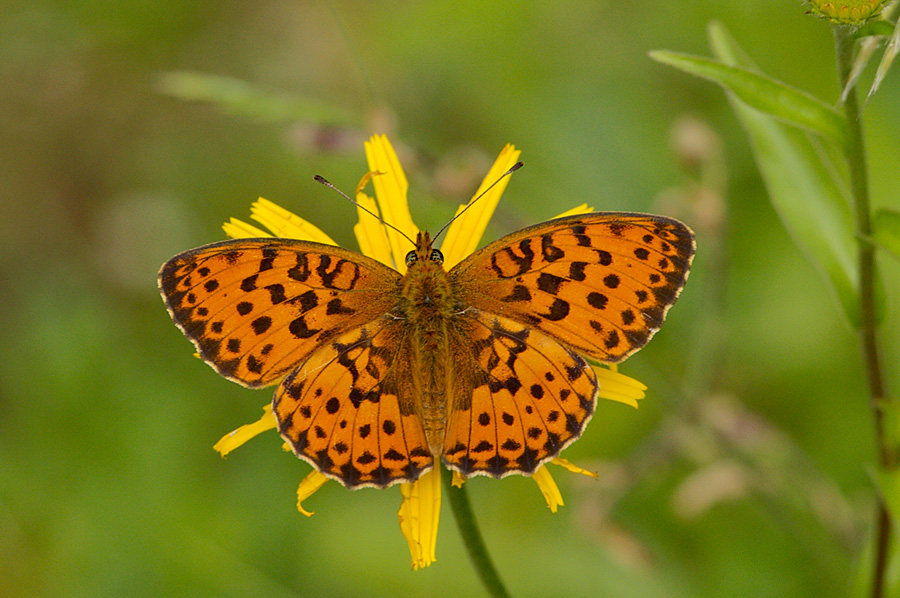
(254, 308)
(599, 283)
(348, 409)
(529, 398)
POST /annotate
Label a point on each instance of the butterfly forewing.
(599, 283)
(254, 308)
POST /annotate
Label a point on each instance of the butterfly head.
(424, 252)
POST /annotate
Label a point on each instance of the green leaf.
(879, 28)
(234, 96)
(886, 230)
(803, 187)
(763, 93)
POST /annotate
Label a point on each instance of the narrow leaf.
(763, 93)
(886, 230)
(238, 97)
(803, 186)
(887, 59)
(866, 49)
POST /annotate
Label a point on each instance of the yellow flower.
(420, 509)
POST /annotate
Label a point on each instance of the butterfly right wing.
(254, 308)
(599, 283)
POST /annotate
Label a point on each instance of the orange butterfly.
(480, 366)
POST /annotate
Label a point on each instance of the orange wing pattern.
(346, 335)
(528, 399)
(254, 308)
(599, 283)
(348, 409)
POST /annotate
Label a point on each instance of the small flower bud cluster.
(847, 12)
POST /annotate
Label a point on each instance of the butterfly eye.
(437, 256)
(411, 258)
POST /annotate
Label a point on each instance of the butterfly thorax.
(428, 304)
(426, 290)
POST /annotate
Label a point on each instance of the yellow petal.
(365, 180)
(582, 209)
(238, 229)
(458, 479)
(390, 190)
(619, 387)
(371, 234)
(236, 438)
(466, 231)
(284, 223)
(419, 515)
(312, 482)
(548, 488)
(572, 467)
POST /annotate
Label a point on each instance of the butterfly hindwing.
(348, 409)
(599, 283)
(255, 307)
(528, 398)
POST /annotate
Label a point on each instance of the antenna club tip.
(319, 179)
(516, 166)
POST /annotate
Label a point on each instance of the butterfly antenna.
(321, 179)
(514, 168)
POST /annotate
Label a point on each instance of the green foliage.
(802, 181)
(874, 29)
(764, 94)
(886, 230)
(815, 209)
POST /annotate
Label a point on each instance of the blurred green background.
(744, 472)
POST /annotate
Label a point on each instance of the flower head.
(420, 508)
(847, 12)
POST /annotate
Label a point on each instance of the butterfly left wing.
(599, 283)
(348, 410)
(255, 307)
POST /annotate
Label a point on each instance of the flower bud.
(846, 12)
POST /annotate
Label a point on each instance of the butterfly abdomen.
(432, 374)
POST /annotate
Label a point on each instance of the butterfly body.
(427, 309)
(380, 375)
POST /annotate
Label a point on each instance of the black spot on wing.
(559, 309)
(550, 283)
(519, 293)
(549, 251)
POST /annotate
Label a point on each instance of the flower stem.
(471, 535)
(856, 160)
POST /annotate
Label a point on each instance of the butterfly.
(482, 366)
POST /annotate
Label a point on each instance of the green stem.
(856, 160)
(471, 535)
